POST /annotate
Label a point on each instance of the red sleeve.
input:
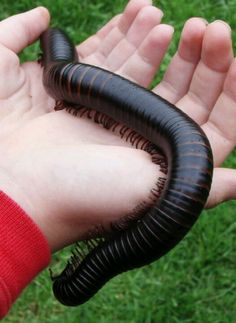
(24, 252)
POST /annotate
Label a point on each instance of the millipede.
(151, 123)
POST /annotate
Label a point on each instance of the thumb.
(23, 29)
(223, 187)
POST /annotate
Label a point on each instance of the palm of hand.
(56, 147)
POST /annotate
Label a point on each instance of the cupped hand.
(69, 174)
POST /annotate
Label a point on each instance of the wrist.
(16, 193)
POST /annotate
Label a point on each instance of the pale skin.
(68, 173)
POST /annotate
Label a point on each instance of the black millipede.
(189, 174)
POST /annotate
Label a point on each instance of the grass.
(196, 282)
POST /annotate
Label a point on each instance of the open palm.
(68, 173)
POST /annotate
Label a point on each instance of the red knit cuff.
(24, 251)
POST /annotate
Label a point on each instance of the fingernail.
(161, 13)
(224, 23)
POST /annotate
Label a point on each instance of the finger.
(178, 76)
(209, 76)
(144, 63)
(220, 127)
(223, 187)
(21, 30)
(103, 47)
(147, 18)
(130, 12)
(90, 45)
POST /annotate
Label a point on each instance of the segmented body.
(188, 153)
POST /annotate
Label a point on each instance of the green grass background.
(196, 282)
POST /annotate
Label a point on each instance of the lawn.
(195, 282)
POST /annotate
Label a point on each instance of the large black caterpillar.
(184, 144)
